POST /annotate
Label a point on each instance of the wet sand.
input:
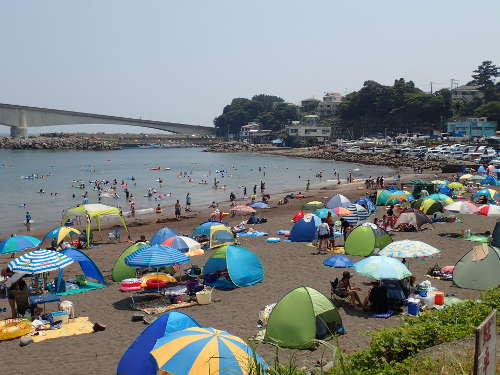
(287, 265)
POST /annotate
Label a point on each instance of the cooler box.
(413, 308)
(60, 315)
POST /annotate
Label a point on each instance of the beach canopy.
(488, 193)
(60, 233)
(221, 235)
(18, 243)
(413, 217)
(89, 268)
(162, 235)
(204, 228)
(338, 261)
(313, 205)
(40, 261)
(232, 266)
(155, 256)
(304, 230)
(409, 249)
(358, 214)
(198, 350)
(478, 269)
(338, 200)
(300, 318)
(364, 239)
(462, 207)
(120, 269)
(382, 268)
(489, 210)
(137, 359)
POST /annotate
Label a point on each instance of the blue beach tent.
(162, 235)
(204, 228)
(443, 189)
(137, 359)
(88, 266)
(232, 266)
(304, 230)
(367, 203)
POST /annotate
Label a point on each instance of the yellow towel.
(77, 326)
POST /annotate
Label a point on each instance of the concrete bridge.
(20, 118)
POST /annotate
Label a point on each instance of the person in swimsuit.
(346, 290)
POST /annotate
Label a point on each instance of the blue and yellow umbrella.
(60, 233)
(198, 350)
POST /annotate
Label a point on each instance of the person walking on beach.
(27, 221)
(177, 210)
(255, 189)
(308, 185)
(244, 192)
(188, 202)
(232, 198)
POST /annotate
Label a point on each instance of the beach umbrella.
(359, 213)
(60, 233)
(313, 205)
(439, 182)
(199, 350)
(488, 193)
(456, 186)
(489, 210)
(341, 211)
(380, 267)
(156, 256)
(409, 249)
(18, 243)
(462, 207)
(323, 212)
(338, 261)
(184, 244)
(465, 177)
(244, 210)
(39, 261)
(162, 235)
(438, 197)
(260, 205)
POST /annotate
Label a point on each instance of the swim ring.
(156, 284)
(130, 288)
(157, 276)
(14, 328)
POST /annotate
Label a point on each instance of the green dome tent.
(366, 238)
(479, 269)
(120, 270)
(301, 317)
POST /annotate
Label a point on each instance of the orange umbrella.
(341, 211)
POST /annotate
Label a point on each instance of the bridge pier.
(16, 131)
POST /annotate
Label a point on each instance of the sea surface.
(64, 170)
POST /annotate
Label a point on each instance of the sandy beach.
(287, 265)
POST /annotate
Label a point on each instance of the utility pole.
(453, 82)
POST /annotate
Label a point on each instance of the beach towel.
(251, 234)
(77, 326)
(84, 288)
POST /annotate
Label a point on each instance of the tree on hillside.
(490, 110)
(267, 102)
(485, 74)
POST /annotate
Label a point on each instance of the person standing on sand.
(244, 192)
(323, 235)
(308, 185)
(177, 210)
(188, 202)
(27, 221)
(255, 189)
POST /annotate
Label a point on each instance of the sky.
(183, 61)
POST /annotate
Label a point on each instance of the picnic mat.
(474, 237)
(85, 288)
(252, 234)
(77, 326)
(165, 308)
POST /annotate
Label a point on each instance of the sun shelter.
(430, 206)
(413, 217)
(304, 230)
(60, 233)
(478, 269)
(364, 239)
(204, 228)
(221, 235)
(120, 270)
(89, 269)
(232, 266)
(301, 317)
(137, 359)
(338, 200)
(95, 211)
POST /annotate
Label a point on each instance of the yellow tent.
(94, 211)
(220, 235)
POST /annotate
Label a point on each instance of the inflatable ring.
(14, 328)
(157, 276)
(130, 283)
(130, 288)
(156, 284)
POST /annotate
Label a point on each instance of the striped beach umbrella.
(60, 233)
(359, 214)
(18, 243)
(380, 267)
(39, 261)
(462, 207)
(341, 211)
(156, 256)
(409, 249)
(197, 350)
(185, 244)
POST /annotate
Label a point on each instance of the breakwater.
(57, 143)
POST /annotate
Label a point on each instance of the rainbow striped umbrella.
(18, 243)
(39, 261)
(409, 249)
(185, 244)
(199, 350)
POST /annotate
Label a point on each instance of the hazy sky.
(184, 60)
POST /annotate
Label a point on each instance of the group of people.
(377, 183)
(326, 232)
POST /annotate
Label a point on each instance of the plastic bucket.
(428, 300)
(422, 293)
(439, 298)
(413, 308)
(204, 297)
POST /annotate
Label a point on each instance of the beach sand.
(287, 265)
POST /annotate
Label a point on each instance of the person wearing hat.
(345, 289)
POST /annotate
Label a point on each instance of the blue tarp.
(137, 359)
(304, 230)
(89, 268)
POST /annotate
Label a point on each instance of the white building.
(466, 93)
(310, 120)
(304, 131)
(330, 104)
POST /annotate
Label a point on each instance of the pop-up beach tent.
(302, 316)
(204, 228)
(232, 266)
(479, 269)
(220, 235)
(137, 359)
(120, 270)
(95, 211)
(338, 200)
(162, 235)
(304, 230)
(364, 239)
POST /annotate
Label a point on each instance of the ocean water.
(61, 168)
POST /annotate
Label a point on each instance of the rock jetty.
(57, 143)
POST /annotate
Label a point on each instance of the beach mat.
(85, 288)
(162, 309)
(75, 327)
